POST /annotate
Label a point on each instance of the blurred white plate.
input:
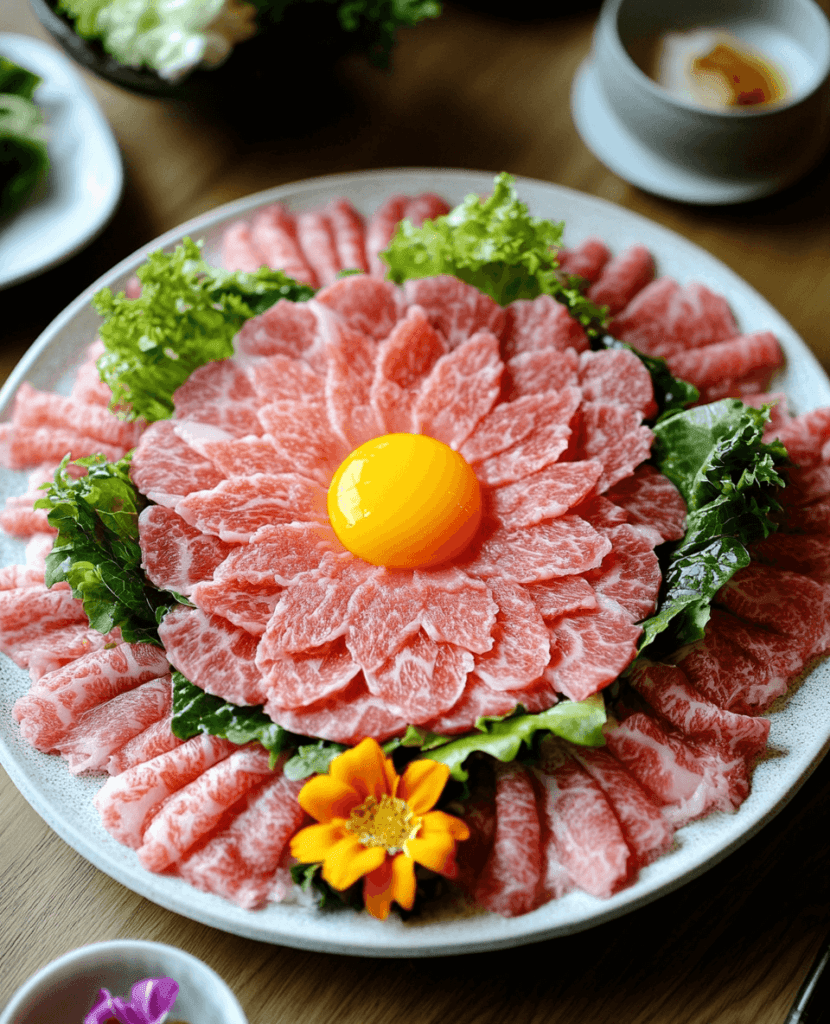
(800, 731)
(85, 176)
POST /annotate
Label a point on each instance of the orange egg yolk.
(405, 501)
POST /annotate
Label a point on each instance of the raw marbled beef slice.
(547, 494)
(156, 739)
(585, 260)
(651, 499)
(454, 308)
(356, 715)
(367, 305)
(127, 801)
(246, 605)
(614, 435)
(539, 324)
(630, 573)
(165, 468)
(220, 394)
(295, 681)
(104, 729)
(239, 862)
(644, 827)
(509, 883)
(403, 362)
(194, 811)
(585, 832)
(619, 378)
(540, 447)
(673, 697)
(287, 329)
(213, 654)
(316, 239)
(563, 547)
(534, 373)
(274, 233)
(235, 509)
(590, 649)
(175, 555)
(51, 708)
(349, 231)
(522, 642)
(621, 278)
(314, 610)
(422, 679)
(459, 391)
(278, 553)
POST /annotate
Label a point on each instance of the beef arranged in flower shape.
(543, 602)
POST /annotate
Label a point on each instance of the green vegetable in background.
(23, 157)
(172, 38)
(187, 315)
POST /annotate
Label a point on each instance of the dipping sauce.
(715, 68)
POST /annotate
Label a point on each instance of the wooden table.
(470, 91)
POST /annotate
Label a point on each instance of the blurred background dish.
(66, 988)
(85, 178)
(660, 99)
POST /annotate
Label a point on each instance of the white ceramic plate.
(85, 175)
(800, 732)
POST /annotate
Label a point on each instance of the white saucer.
(612, 143)
(85, 176)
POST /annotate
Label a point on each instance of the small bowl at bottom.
(66, 989)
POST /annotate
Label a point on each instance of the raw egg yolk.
(405, 501)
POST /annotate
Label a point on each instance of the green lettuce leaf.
(312, 759)
(580, 722)
(195, 711)
(96, 550)
(187, 315)
(494, 245)
(716, 457)
(23, 156)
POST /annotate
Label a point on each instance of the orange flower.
(376, 825)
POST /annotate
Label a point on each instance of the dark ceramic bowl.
(306, 43)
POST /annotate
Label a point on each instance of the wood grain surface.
(468, 90)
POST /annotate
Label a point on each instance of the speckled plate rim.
(800, 724)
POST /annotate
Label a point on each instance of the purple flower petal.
(102, 1010)
(154, 997)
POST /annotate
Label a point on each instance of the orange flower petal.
(313, 843)
(325, 798)
(378, 890)
(349, 860)
(365, 769)
(422, 783)
(403, 881)
(434, 846)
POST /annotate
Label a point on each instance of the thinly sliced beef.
(622, 277)
(166, 469)
(52, 708)
(509, 883)
(539, 324)
(107, 727)
(239, 861)
(194, 811)
(128, 801)
(455, 309)
(212, 653)
(176, 555)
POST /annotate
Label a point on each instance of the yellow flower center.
(387, 822)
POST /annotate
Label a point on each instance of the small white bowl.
(669, 144)
(66, 989)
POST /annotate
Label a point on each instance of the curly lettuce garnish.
(494, 245)
(716, 457)
(187, 315)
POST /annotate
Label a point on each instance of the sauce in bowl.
(719, 69)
